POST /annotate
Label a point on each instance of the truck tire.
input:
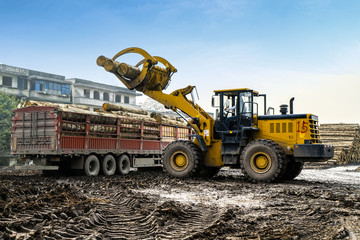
(108, 165)
(123, 164)
(182, 159)
(263, 161)
(293, 169)
(92, 166)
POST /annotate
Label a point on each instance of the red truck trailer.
(92, 142)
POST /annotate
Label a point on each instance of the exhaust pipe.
(292, 105)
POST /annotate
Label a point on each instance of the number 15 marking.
(304, 127)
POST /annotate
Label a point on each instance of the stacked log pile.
(103, 122)
(346, 140)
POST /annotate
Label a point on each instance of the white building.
(34, 85)
(28, 84)
(94, 94)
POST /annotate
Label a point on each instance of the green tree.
(8, 102)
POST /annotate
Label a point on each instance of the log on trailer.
(116, 107)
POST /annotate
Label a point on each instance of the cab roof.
(230, 92)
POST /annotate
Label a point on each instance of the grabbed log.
(150, 77)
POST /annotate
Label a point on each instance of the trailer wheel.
(263, 161)
(182, 159)
(293, 169)
(92, 166)
(108, 165)
(123, 164)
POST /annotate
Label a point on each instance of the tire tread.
(279, 152)
(194, 149)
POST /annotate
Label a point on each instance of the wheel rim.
(124, 165)
(260, 162)
(179, 161)
(109, 165)
(92, 166)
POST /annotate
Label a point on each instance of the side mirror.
(215, 101)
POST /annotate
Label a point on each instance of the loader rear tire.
(108, 165)
(182, 159)
(92, 166)
(293, 169)
(263, 161)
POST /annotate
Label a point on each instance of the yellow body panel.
(287, 132)
(236, 90)
(213, 157)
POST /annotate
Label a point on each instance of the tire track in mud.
(127, 215)
(151, 206)
(69, 209)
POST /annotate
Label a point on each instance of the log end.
(101, 60)
(106, 106)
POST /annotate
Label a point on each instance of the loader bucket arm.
(152, 80)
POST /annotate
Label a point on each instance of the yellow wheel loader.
(266, 147)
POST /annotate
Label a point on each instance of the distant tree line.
(8, 102)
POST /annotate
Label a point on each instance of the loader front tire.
(182, 159)
(263, 160)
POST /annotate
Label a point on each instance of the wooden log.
(345, 139)
(57, 105)
(165, 119)
(128, 71)
(116, 107)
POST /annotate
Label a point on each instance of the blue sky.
(305, 49)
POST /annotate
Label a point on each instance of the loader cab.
(235, 109)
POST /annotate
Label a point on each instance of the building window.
(106, 96)
(126, 99)
(56, 88)
(65, 89)
(96, 95)
(22, 82)
(117, 98)
(39, 86)
(87, 93)
(7, 81)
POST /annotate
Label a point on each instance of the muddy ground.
(319, 204)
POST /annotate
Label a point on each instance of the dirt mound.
(145, 205)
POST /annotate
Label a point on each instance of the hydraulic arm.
(152, 80)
